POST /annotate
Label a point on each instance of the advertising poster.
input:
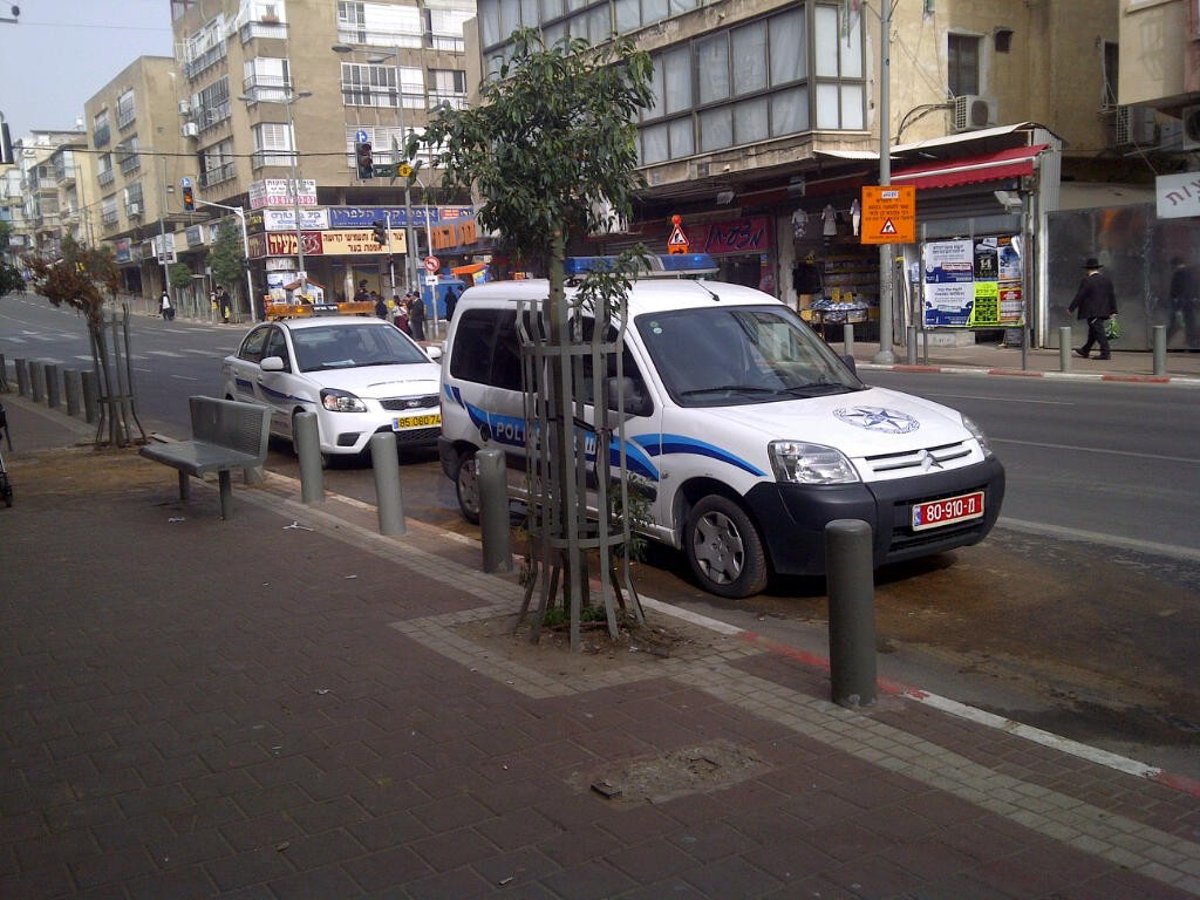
(949, 283)
(973, 284)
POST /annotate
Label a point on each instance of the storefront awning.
(470, 269)
(1011, 163)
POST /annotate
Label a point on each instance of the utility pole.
(241, 214)
(885, 356)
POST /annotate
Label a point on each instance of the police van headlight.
(797, 462)
(977, 433)
(336, 400)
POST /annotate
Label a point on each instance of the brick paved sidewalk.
(192, 707)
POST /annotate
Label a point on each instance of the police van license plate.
(417, 422)
(937, 513)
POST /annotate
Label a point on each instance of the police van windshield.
(741, 354)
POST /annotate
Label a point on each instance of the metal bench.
(226, 435)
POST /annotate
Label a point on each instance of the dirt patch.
(657, 638)
(84, 469)
(692, 770)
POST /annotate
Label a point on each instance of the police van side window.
(277, 346)
(252, 347)
(473, 340)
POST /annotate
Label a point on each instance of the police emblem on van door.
(876, 418)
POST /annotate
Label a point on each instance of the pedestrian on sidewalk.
(1184, 308)
(226, 304)
(1096, 302)
(416, 317)
(165, 307)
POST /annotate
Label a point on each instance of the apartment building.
(766, 125)
(273, 98)
(47, 189)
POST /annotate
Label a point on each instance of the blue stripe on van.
(660, 445)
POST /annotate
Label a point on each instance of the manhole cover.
(690, 770)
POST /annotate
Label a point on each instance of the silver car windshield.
(723, 356)
(352, 347)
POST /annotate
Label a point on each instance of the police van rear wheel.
(466, 482)
(724, 549)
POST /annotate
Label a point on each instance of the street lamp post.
(241, 214)
(410, 259)
(291, 95)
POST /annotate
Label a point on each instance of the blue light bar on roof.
(664, 264)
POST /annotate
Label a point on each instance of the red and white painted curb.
(1122, 377)
(944, 704)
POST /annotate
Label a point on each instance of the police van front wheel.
(466, 482)
(724, 549)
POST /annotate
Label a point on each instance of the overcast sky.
(63, 51)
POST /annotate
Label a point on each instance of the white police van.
(746, 432)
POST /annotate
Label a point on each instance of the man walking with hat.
(1097, 302)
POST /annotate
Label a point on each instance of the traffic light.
(362, 156)
(189, 201)
(381, 234)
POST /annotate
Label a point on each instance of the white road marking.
(1155, 456)
(1062, 532)
(999, 399)
(184, 378)
(168, 353)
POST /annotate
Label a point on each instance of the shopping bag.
(1112, 328)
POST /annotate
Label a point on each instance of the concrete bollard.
(73, 389)
(911, 354)
(1160, 349)
(53, 391)
(1064, 348)
(493, 510)
(848, 339)
(22, 367)
(389, 499)
(37, 382)
(3, 373)
(850, 581)
(308, 447)
(91, 397)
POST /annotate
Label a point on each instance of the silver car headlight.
(336, 400)
(798, 462)
(977, 433)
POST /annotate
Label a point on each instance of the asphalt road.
(1079, 613)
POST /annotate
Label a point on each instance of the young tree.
(227, 258)
(85, 278)
(551, 149)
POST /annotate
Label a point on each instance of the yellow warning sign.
(889, 214)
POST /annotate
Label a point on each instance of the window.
(1112, 59)
(380, 24)
(126, 110)
(448, 86)
(217, 163)
(446, 26)
(272, 145)
(369, 85)
(749, 49)
(266, 79)
(211, 105)
(252, 347)
(962, 63)
(100, 129)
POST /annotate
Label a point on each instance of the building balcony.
(105, 178)
(131, 164)
(386, 39)
(218, 175)
(101, 135)
(206, 60)
(265, 29)
(264, 158)
(267, 89)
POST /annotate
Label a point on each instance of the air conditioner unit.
(185, 107)
(190, 129)
(1133, 125)
(1191, 128)
(134, 209)
(972, 112)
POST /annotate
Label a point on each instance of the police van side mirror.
(636, 401)
(272, 364)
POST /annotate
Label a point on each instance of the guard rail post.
(1160, 349)
(849, 578)
(22, 367)
(389, 500)
(73, 389)
(53, 393)
(91, 396)
(493, 510)
(37, 381)
(308, 447)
